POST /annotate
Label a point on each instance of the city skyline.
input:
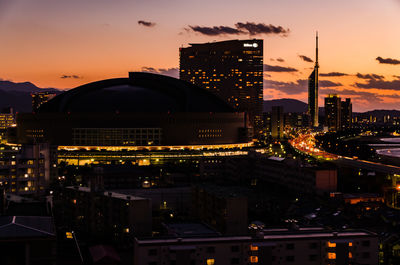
(64, 45)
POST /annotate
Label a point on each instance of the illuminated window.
(331, 245)
(331, 255)
(253, 248)
(350, 244)
(253, 259)
(350, 255)
(210, 261)
(68, 235)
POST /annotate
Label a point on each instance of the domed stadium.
(144, 110)
(141, 92)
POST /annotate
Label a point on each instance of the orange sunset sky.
(66, 43)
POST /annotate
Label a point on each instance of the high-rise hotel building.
(232, 70)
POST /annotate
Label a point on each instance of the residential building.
(269, 246)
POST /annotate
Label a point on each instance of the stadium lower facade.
(145, 119)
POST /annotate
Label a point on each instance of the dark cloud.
(369, 76)
(216, 30)
(327, 83)
(240, 29)
(280, 60)
(333, 74)
(261, 28)
(298, 87)
(387, 60)
(397, 76)
(146, 23)
(372, 97)
(290, 88)
(70, 76)
(276, 68)
(379, 84)
(306, 58)
(173, 71)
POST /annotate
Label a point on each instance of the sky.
(66, 43)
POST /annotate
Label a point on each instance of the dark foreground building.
(29, 240)
(272, 246)
(232, 70)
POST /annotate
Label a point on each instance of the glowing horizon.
(64, 44)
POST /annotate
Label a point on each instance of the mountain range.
(18, 95)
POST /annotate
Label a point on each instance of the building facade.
(277, 122)
(333, 112)
(338, 113)
(38, 98)
(346, 109)
(274, 246)
(232, 70)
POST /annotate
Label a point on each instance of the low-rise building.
(223, 208)
(275, 246)
(113, 215)
(296, 176)
(27, 240)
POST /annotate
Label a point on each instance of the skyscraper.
(277, 122)
(333, 112)
(313, 91)
(346, 114)
(232, 70)
(338, 114)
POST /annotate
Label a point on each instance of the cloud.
(371, 97)
(280, 60)
(276, 68)
(387, 60)
(369, 76)
(290, 88)
(70, 76)
(327, 83)
(298, 87)
(146, 23)
(333, 74)
(261, 28)
(380, 84)
(306, 58)
(216, 30)
(240, 28)
(173, 71)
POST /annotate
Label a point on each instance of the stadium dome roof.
(141, 92)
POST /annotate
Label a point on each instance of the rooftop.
(26, 227)
(108, 193)
(141, 92)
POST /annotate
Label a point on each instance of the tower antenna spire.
(316, 50)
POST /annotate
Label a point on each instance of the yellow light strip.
(155, 148)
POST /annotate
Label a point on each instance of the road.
(305, 143)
